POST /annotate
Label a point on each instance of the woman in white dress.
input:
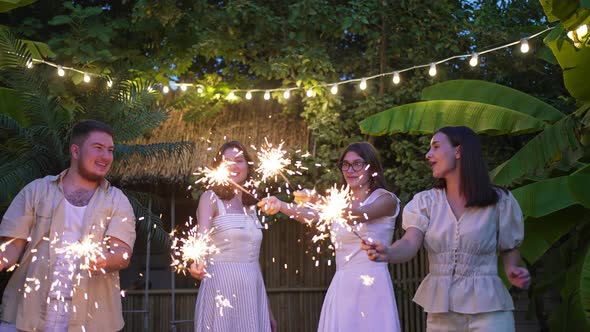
(232, 295)
(463, 222)
(360, 296)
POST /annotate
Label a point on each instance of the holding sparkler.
(366, 210)
(235, 294)
(193, 247)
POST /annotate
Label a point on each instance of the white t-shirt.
(66, 267)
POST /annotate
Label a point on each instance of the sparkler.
(273, 162)
(219, 176)
(86, 249)
(332, 208)
(195, 247)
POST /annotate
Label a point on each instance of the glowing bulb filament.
(310, 93)
(334, 89)
(474, 60)
(248, 95)
(286, 94)
(266, 95)
(396, 78)
(86, 77)
(363, 84)
(524, 45)
(183, 87)
(60, 71)
(165, 89)
(432, 70)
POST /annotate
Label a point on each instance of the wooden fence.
(296, 286)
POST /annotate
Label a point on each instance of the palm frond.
(13, 52)
(16, 174)
(154, 152)
(136, 124)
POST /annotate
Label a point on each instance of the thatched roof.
(248, 122)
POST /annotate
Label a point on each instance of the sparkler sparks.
(273, 162)
(86, 249)
(367, 280)
(333, 209)
(221, 302)
(194, 247)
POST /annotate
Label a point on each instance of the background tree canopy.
(267, 44)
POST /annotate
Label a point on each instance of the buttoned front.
(462, 253)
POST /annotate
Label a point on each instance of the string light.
(334, 89)
(524, 45)
(231, 95)
(396, 78)
(287, 94)
(473, 61)
(580, 32)
(432, 70)
(266, 95)
(86, 77)
(165, 89)
(363, 84)
(109, 83)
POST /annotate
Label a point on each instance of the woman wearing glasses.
(360, 296)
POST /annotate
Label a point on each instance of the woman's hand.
(518, 276)
(376, 251)
(197, 270)
(302, 197)
(270, 205)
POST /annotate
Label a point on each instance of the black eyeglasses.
(356, 166)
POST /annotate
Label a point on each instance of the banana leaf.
(494, 94)
(428, 116)
(541, 153)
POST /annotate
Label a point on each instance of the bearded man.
(46, 233)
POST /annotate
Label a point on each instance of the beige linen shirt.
(462, 254)
(37, 215)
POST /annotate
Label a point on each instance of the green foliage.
(35, 143)
(8, 5)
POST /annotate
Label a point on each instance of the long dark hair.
(475, 183)
(227, 192)
(371, 156)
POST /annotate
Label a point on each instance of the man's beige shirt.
(37, 215)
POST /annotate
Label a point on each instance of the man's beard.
(87, 175)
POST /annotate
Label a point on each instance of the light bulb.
(30, 64)
(266, 95)
(110, 83)
(432, 70)
(199, 90)
(570, 35)
(86, 77)
(248, 95)
(286, 94)
(524, 45)
(165, 89)
(60, 71)
(363, 84)
(309, 93)
(582, 31)
(183, 87)
(231, 95)
(334, 89)
(473, 61)
(396, 78)
(150, 89)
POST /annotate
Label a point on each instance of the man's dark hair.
(82, 130)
